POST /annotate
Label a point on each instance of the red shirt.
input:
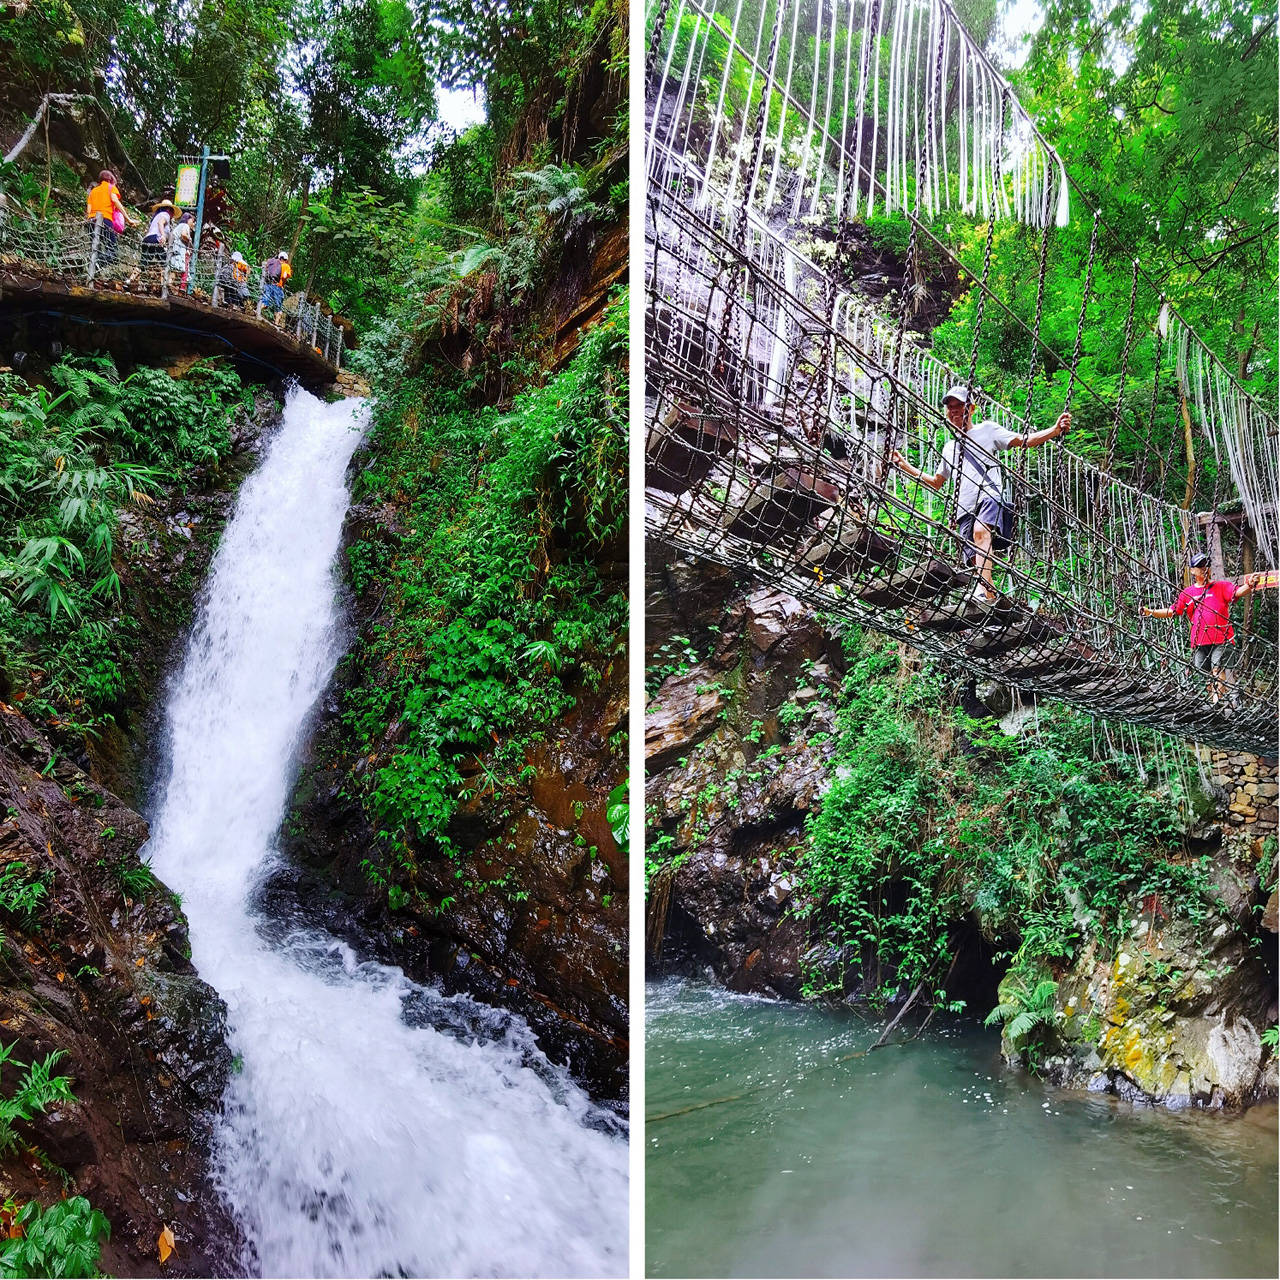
(1209, 607)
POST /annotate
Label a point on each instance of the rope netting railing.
(775, 400)
(93, 254)
(799, 114)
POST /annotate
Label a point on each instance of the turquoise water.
(929, 1159)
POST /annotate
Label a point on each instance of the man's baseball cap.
(1199, 560)
(959, 392)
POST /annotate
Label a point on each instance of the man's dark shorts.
(996, 516)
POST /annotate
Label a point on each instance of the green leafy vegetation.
(21, 890)
(500, 608)
(1041, 840)
(37, 1088)
(1026, 1008)
(72, 460)
(63, 1240)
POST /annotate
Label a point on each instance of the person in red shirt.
(1208, 604)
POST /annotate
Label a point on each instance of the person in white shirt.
(984, 516)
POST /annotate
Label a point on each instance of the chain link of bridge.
(44, 258)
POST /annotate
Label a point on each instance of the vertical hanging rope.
(1084, 305)
(1020, 502)
(986, 264)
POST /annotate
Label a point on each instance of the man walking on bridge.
(1209, 606)
(984, 514)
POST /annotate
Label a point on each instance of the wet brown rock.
(772, 616)
(533, 912)
(729, 787)
(103, 978)
(684, 710)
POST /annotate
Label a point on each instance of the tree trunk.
(302, 218)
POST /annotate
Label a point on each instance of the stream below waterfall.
(929, 1159)
(373, 1126)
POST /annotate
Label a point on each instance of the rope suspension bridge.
(87, 268)
(777, 395)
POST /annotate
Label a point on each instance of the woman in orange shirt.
(105, 199)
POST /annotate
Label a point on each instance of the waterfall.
(373, 1126)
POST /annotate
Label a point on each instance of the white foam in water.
(362, 1136)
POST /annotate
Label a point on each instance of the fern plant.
(37, 1088)
(1026, 1007)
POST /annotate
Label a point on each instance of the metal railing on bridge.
(94, 254)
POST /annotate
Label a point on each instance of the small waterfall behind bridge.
(374, 1126)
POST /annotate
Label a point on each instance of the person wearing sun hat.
(1208, 607)
(156, 240)
(984, 515)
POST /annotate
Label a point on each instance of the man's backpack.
(273, 271)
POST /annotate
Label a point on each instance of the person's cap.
(1199, 560)
(958, 392)
(165, 204)
(237, 256)
(284, 257)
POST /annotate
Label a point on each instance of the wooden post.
(328, 340)
(93, 248)
(315, 325)
(1217, 561)
(262, 284)
(302, 302)
(337, 355)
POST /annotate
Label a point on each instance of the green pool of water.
(930, 1159)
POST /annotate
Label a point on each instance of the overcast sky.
(460, 108)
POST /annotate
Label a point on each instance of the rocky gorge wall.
(524, 901)
(743, 691)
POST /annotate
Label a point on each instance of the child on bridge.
(1208, 605)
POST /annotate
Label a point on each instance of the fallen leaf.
(166, 1244)
(137, 964)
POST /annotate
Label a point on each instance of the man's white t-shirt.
(981, 476)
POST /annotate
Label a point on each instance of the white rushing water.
(375, 1127)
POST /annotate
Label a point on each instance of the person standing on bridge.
(181, 240)
(156, 241)
(984, 514)
(1208, 605)
(105, 199)
(275, 272)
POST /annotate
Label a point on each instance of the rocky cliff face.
(743, 690)
(1169, 1019)
(99, 973)
(737, 754)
